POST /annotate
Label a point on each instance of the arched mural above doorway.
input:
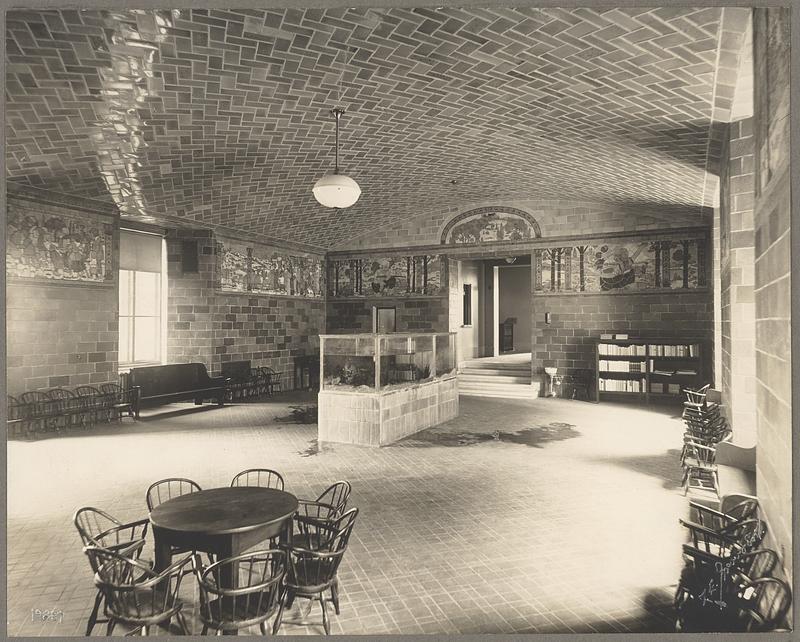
(489, 225)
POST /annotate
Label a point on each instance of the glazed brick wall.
(267, 330)
(577, 321)
(214, 327)
(413, 315)
(555, 218)
(59, 335)
(773, 287)
(737, 277)
(190, 335)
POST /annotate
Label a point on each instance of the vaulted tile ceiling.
(222, 117)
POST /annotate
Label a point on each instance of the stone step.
(504, 394)
(480, 389)
(464, 377)
(496, 372)
(495, 365)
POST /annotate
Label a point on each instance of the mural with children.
(59, 247)
(245, 267)
(621, 266)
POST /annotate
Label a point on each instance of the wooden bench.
(175, 382)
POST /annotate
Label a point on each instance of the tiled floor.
(542, 515)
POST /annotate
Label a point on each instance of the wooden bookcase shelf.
(645, 368)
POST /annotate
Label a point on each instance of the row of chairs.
(727, 583)
(260, 381)
(61, 409)
(269, 579)
(706, 427)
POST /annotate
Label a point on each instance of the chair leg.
(110, 627)
(276, 625)
(205, 629)
(98, 600)
(289, 598)
(264, 628)
(145, 630)
(182, 623)
(335, 595)
(326, 625)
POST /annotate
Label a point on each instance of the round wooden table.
(221, 521)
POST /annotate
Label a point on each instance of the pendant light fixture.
(336, 190)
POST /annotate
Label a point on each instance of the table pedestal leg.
(163, 555)
(229, 574)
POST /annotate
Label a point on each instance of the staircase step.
(522, 390)
(493, 365)
(500, 394)
(506, 379)
(496, 371)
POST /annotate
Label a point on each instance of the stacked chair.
(727, 584)
(705, 428)
(248, 382)
(60, 409)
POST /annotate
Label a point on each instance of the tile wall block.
(413, 315)
(215, 327)
(737, 280)
(772, 216)
(577, 321)
(382, 419)
(60, 334)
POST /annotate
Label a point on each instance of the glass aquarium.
(383, 362)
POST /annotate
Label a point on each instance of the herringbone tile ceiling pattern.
(222, 117)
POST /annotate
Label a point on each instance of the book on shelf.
(614, 350)
(660, 350)
(623, 385)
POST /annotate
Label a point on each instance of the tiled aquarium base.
(381, 418)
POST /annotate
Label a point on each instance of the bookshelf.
(647, 369)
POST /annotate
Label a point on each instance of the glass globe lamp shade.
(336, 190)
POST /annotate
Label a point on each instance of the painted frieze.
(621, 266)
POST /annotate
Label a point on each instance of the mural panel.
(621, 266)
(59, 247)
(389, 276)
(487, 225)
(233, 266)
(245, 267)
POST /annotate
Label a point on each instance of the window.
(141, 303)
(467, 304)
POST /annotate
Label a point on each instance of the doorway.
(512, 306)
(491, 306)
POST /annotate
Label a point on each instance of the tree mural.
(385, 276)
(621, 266)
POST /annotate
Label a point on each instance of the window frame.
(158, 316)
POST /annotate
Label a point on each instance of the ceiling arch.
(221, 118)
